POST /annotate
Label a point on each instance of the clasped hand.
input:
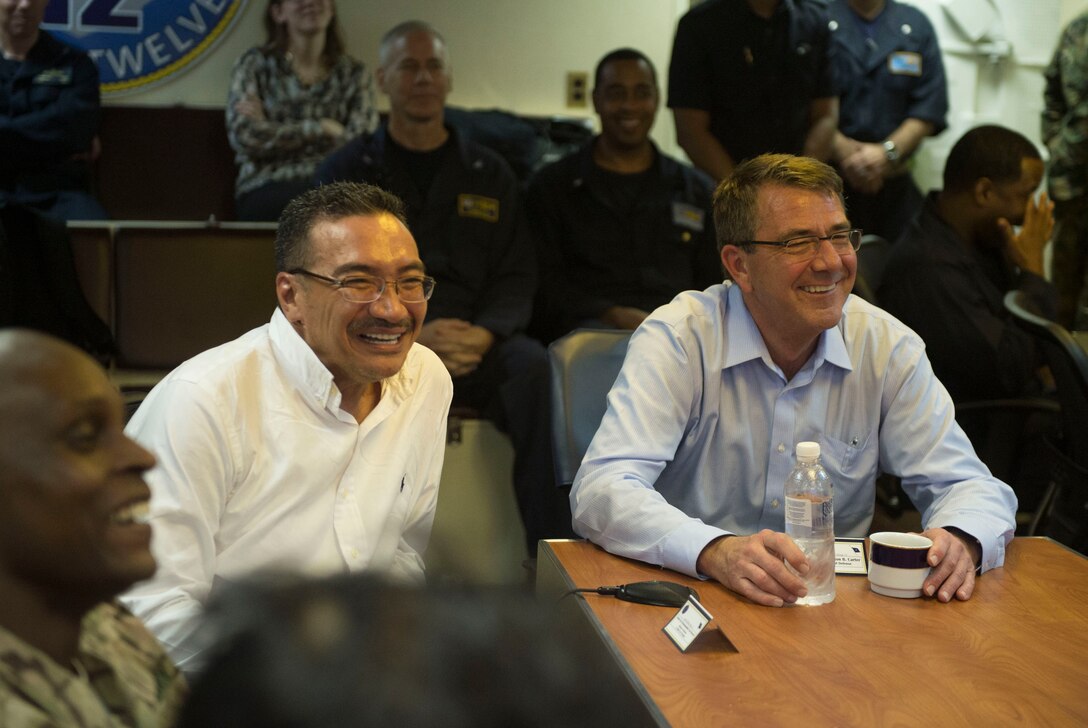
(459, 344)
(753, 566)
(865, 167)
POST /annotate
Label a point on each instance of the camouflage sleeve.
(129, 669)
(1065, 118)
(121, 677)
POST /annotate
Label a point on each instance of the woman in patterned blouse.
(292, 101)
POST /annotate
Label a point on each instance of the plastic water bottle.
(810, 522)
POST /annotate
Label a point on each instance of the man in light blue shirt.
(719, 385)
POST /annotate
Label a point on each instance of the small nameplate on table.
(683, 628)
(850, 556)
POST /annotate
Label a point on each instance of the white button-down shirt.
(260, 469)
(701, 424)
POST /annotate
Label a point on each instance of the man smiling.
(463, 207)
(73, 534)
(314, 443)
(718, 386)
(620, 227)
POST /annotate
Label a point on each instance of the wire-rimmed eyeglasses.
(806, 246)
(367, 289)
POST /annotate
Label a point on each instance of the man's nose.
(827, 258)
(134, 456)
(389, 304)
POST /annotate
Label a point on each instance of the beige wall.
(1072, 8)
(988, 89)
(514, 54)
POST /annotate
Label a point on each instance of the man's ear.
(983, 191)
(735, 262)
(286, 294)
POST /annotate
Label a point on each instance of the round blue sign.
(140, 42)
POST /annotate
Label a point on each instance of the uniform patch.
(54, 77)
(688, 216)
(482, 208)
(905, 63)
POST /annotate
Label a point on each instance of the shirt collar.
(745, 343)
(309, 375)
(313, 379)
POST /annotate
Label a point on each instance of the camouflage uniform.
(123, 678)
(1065, 132)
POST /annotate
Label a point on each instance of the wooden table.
(1015, 653)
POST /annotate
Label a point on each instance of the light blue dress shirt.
(701, 425)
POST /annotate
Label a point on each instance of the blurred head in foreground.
(350, 651)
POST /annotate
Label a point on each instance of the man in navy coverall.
(464, 212)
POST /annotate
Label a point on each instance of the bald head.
(23, 350)
(71, 486)
(29, 361)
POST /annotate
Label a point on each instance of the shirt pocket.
(852, 466)
(843, 455)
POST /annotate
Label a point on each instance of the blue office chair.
(583, 365)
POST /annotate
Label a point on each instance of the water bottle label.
(799, 512)
(826, 516)
(803, 512)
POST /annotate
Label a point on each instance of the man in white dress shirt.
(688, 467)
(312, 444)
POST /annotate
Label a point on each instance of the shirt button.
(774, 503)
(781, 447)
(355, 553)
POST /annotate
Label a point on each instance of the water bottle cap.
(808, 449)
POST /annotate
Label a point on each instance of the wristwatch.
(891, 152)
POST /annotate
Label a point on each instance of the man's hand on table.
(752, 566)
(953, 561)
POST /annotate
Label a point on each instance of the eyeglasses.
(806, 246)
(367, 289)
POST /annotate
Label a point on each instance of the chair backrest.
(92, 251)
(183, 288)
(40, 284)
(1065, 516)
(583, 365)
(1068, 362)
(872, 258)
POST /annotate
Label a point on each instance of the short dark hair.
(736, 198)
(989, 151)
(400, 30)
(623, 54)
(311, 653)
(327, 203)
